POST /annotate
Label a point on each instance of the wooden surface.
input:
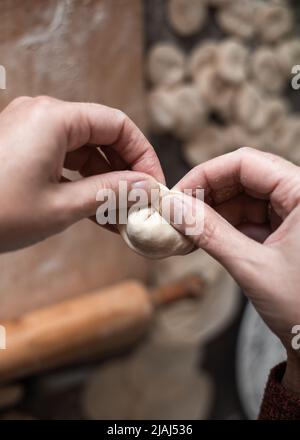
(75, 50)
(85, 51)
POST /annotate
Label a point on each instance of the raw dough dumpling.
(148, 234)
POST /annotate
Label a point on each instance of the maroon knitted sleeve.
(278, 402)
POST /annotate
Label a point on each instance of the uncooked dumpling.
(148, 234)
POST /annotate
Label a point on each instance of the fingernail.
(143, 184)
(147, 189)
(146, 184)
(185, 213)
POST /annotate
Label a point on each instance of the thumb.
(79, 199)
(239, 254)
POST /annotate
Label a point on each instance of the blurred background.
(94, 331)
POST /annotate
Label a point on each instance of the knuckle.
(207, 235)
(18, 104)
(245, 151)
(59, 211)
(41, 108)
(197, 169)
(20, 100)
(43, 101)
(122, 119)
(119, 114)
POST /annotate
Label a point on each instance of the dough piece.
(276, 110)
(179, 110)
(288, 54)
(276, 114)
(266, 70)
(161, 110)
(273, 22)
(237, 18)
(287, 141)
(236, 136)
(203, 55)
(148, 234)
(189, 111)
(186, 16)
(232, 61)
(250, 110)
(166, 64)
(217, 94)
(208, 143)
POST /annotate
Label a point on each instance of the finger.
(101, 125)
(88, 161)
(111, 228)
(263, 174)
(76, 200)
(240, 255)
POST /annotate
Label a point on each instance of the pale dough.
(148, 234)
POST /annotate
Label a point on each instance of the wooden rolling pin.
(98, 323)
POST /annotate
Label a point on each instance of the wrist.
(291, 377)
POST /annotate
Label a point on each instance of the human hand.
(252, 227)
(38, 138)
